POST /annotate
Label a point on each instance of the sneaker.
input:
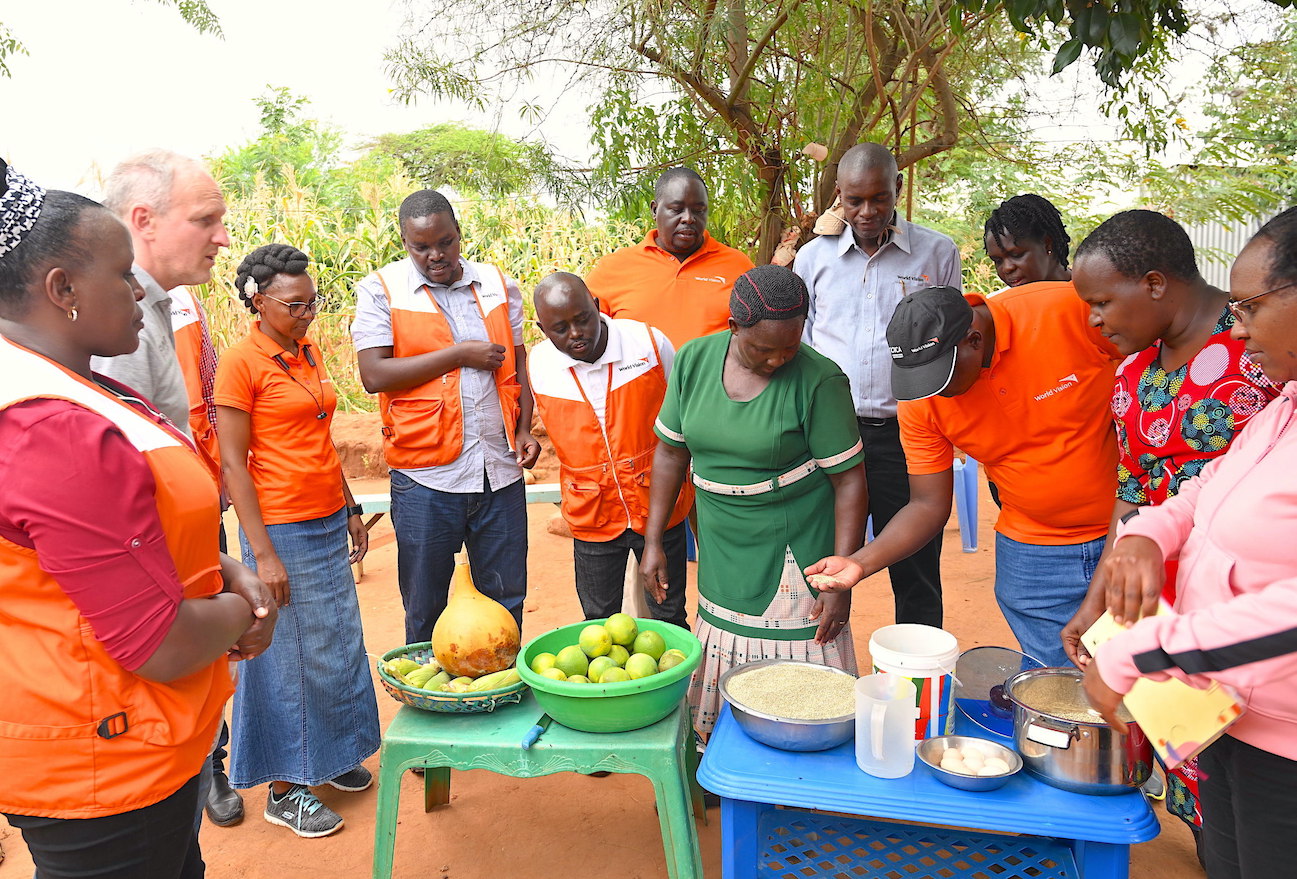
(356, 779)
(1155, 787)
(301, 812)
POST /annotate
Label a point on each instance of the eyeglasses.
(1236, 305)
(299, 309)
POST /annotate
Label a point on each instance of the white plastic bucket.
(927, 656)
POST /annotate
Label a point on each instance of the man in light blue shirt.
(856, 279)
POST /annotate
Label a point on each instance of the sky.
(106, 78)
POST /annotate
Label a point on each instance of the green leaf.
(1067, 55)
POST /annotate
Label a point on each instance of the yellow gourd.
(475, 635)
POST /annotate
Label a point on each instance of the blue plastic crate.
(799, 845)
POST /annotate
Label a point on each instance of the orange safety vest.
(186, 324)
(604, 468)
(80, 736)
(423, 426)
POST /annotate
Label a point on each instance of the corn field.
(525, 239)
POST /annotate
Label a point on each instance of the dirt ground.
(562, 825)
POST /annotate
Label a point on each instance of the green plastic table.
(663, 752)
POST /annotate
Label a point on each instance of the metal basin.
(783, 732)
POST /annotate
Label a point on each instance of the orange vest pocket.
(585, 506)
(423, 428)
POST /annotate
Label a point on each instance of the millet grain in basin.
(795, 692)
(1062, 696)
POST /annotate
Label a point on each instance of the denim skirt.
(304, 711)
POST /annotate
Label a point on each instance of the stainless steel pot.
(1086, 756)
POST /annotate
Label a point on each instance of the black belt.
(876, 422)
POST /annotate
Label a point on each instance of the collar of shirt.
(270, 347)
(1003, 328)
(709, 245)
(417, 279)
(153, 292)
(611, 354)
(897, 232)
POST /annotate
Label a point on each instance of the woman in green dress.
(769, 426)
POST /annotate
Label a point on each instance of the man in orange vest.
(599, 383)
(679, 277)
(439, 339)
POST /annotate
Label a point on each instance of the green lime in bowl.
(615, 707)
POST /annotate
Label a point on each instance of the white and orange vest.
(187, 325)
(423, 426)
(604, 468)
(80, 736)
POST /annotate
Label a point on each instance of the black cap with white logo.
(924, 332)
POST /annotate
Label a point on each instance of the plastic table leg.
(1099, 860)
(739, 844)
(436, 787)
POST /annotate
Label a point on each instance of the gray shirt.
(485, 446)
(853, 296)
(152, 370)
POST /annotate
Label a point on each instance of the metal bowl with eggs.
(980, 764)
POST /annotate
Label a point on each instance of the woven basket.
(450, 703)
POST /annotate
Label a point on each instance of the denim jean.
(305, 710)
(157, 841)
(1039, 588)
(916, 580)
(601, 574)
(431, 526)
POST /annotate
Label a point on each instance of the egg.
(1000, 766)
(988, 771)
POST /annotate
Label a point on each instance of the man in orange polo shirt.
(1022, 383)
(678, 278)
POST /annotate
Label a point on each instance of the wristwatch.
(357, 510)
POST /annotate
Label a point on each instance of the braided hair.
(49, 240)
(768, 293)
(1029, 217)
(1281, 232)
(259, 268)
(1139, 242)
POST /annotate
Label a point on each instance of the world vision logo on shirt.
(923, 278)
(642, 363)
(1068, 381)
(716, 280)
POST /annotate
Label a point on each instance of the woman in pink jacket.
(1235, 620)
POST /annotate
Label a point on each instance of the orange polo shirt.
(685, 300)
(290, 451)
(1038, 418)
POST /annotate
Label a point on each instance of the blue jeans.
(431, 526)
(1039, 589)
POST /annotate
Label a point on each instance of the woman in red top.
(1184, 392)
(118, 610)
(304, 713)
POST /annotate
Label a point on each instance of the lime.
(553, 674)
(641, 665)
(670, 659)
(579, 679)
(614, 676)
(542, 661)
(623, 629)
(650, 642)
(619, 654)
(595, 641)
(598, 666)
(571, 661)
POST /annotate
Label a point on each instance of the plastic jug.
(885, 710)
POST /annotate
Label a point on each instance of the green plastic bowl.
(617, 707)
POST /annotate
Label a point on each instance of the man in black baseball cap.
(924, 336)
(1023, 384)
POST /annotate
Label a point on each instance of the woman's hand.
(835, 573)
(240, 580)
(833, 610)
(1131, 577)
(272, 572)
(653, 571)
(359, 538)
(1103, 698)
(1090, 610)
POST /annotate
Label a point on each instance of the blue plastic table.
(1062, 835)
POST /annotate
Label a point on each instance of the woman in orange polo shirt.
(304, 712)
(119, 612)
